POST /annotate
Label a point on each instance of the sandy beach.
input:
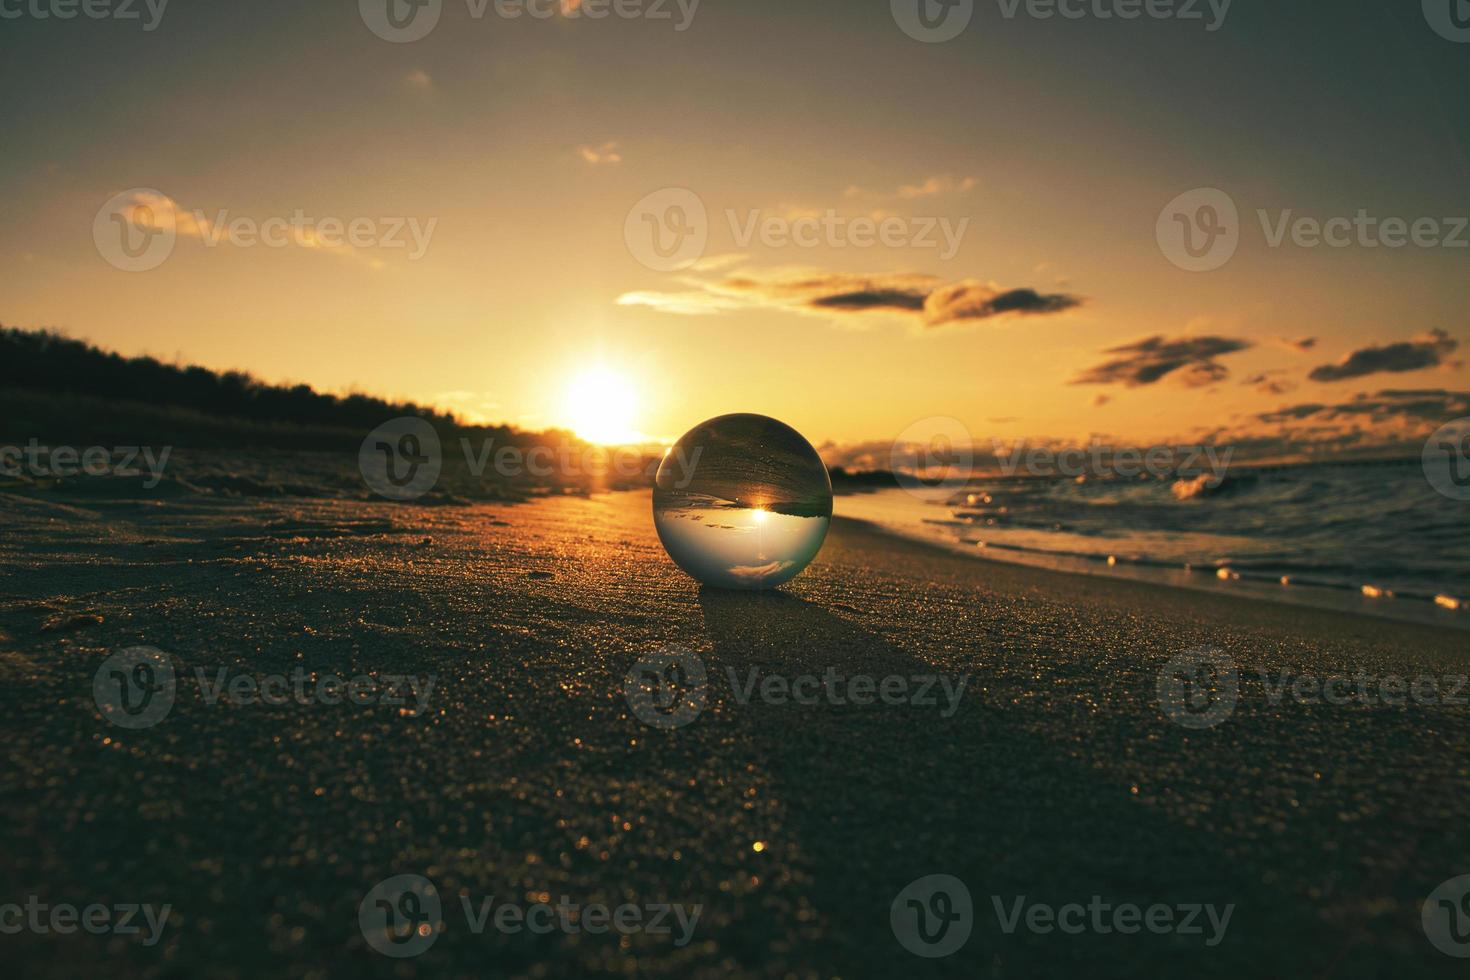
(783, 831)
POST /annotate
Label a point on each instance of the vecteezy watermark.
(934, 452)
(667, 688)
(138, 229)
(1391, 690)
(934, 915)
(403, 916)
(1104, 461)
(1450, 19)
(1101, 917)
(404, 21)
(410, 693)
(98, 919)
(669, 230)
(1446, 917)
(1200, 230)
(149, 12)
(1201, 688)
(936, 21)
(1446, 459)
(835, 688)
(34, 459)
(136, 688)
(932, 21)
(403, 459)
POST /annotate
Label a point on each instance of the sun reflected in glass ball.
(742, 502)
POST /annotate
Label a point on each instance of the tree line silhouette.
(50, 362)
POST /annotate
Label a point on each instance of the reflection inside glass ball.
(742, 502)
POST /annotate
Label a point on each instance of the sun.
(600, 405)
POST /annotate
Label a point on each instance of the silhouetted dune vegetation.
(229, 429)
(228, 405)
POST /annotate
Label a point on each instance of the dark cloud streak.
(1146, 362)
(1425, 351)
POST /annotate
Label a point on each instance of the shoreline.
(1301, 594)
(1022, 575)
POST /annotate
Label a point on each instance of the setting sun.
(599, 406)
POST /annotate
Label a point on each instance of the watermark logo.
(1103, 918)
(933, 21)
(933, 916)
(1199, 688)
(1210, 463)
(136, 687)
(136, 230)
(37, 460)
(406, 21)
(1199, 230)
(401, 459)
(667, 230)
(401, 916)
(835, 230)
(1180, 10)
(1446, 917)
(1446, 459)
(936, 21)
(97, 919)
(90, 9)
(667, 688)
(400, 21)
(409, 693)
(1450, 19)
(933, 452)
(938, 691)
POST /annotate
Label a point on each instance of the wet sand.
(1057, 776)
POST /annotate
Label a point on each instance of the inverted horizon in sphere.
(742, 502)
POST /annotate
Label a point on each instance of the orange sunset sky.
(528, 143)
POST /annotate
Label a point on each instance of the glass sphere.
(742, 502)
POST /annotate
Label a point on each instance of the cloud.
(924, 299)
(606, 153)
(418, 80)
(970, 300)
(756, 574)
(872, 299)
(1428, 405)
(929, 187)
(1299, 344)
(1427, 350)
(690, 303)
(713, 263)
(1148, 361)
(1270, 383)
(161, 212)
(1101, 400)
